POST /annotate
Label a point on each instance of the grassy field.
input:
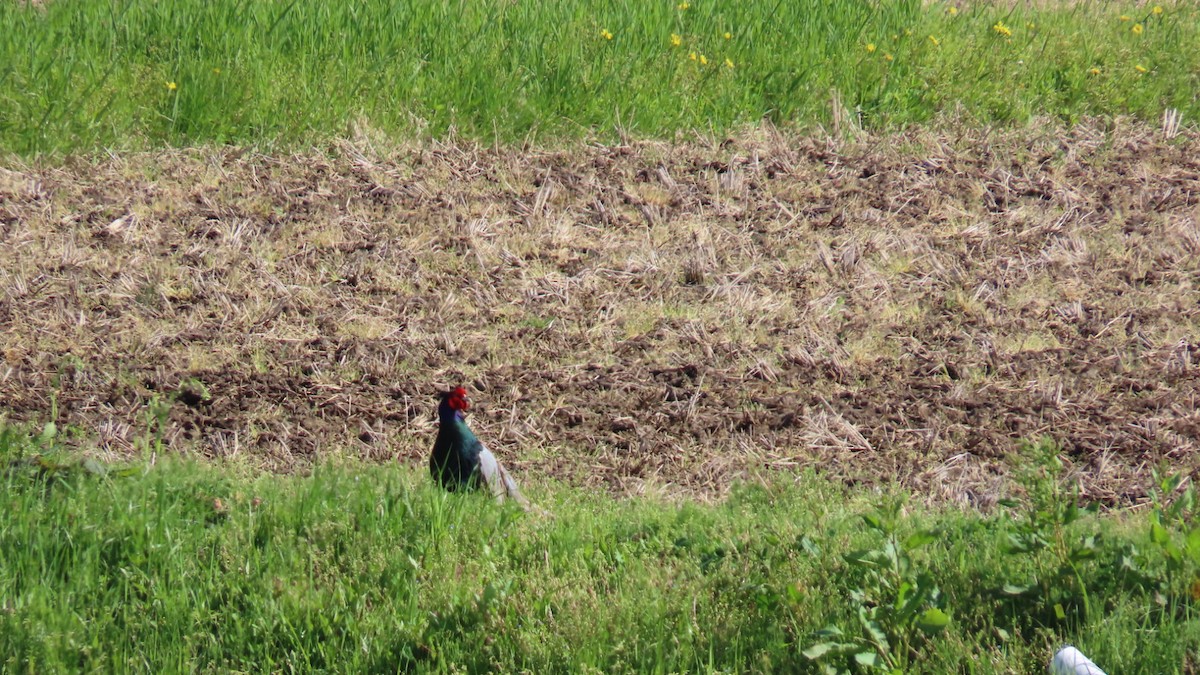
(87, 75)
(179, 567)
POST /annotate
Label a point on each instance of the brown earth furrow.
(651, 316)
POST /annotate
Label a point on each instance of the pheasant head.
(454, 403)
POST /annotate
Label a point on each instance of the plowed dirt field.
(666, 317)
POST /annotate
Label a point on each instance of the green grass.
(181, 567)
(86, 75)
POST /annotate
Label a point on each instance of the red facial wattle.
(458, 399)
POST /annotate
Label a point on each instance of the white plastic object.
(1071, 661)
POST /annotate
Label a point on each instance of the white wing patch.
(498, 481)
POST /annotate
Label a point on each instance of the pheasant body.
(461, 460)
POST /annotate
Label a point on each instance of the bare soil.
(663, 317)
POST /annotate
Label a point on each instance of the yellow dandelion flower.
(888, 57)
(692, 56)
(1124, 17)
(1001, 29)
(1157, 10)
(1094, 71)
(1137, 29)
(1140, 68)
(728, 63)
(606, 35)
(172, 86)
(703, 60)
(728, 35)
(684, 5)
(870, 47)
(676, 40)
(934, 41)
(952, 10)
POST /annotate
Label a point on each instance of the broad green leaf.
(829, 631)
(1193, 544)
(822, 649)
(1059, 612)
(868, 659)
(893, 556)
(873, 521)
(919, 539)
(1013, 589)
(871, 627)
(1174, 555)
(1017, 544)
(933, 620)
(818, 650)
(1159, 534)
(809, 546)
(1170, 483)
(1070, 513)
(1082, 553)
(1187, 500)
(913, 603)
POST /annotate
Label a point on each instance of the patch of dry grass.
(650, 316)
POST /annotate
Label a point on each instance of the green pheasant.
(461, 460)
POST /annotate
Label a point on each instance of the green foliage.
(155, 417)
(1174, 529)
(99, 74)
(1170, 567)
(1043, 521)
(897, 602)
(182, 567)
